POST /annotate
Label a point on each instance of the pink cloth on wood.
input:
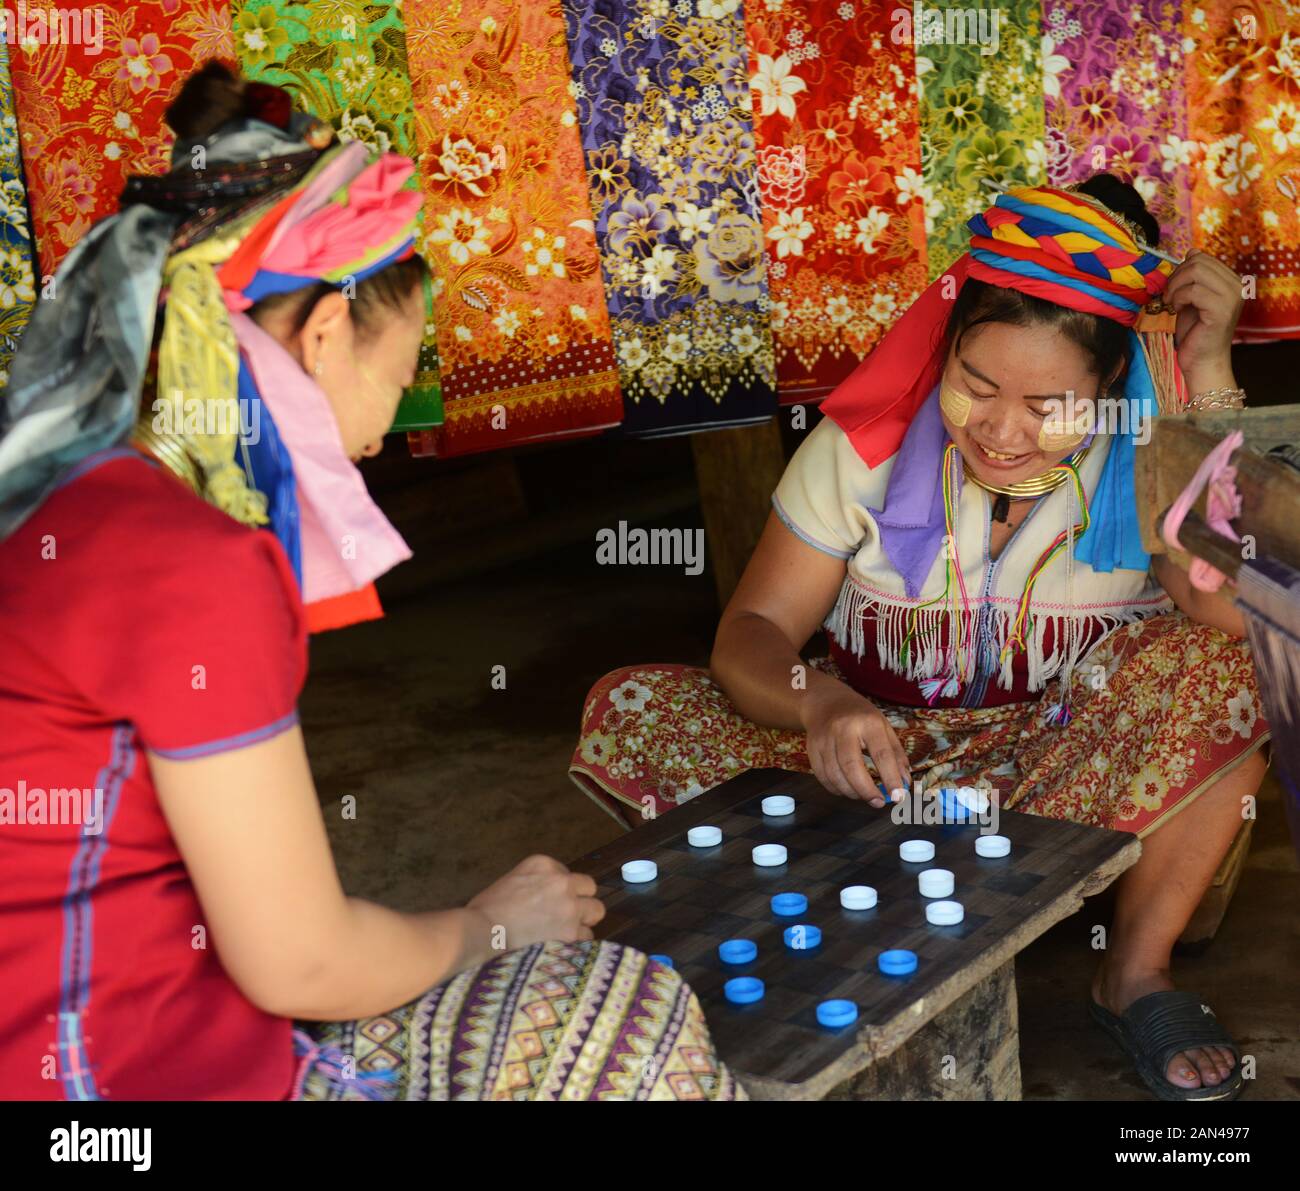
(1222, 503)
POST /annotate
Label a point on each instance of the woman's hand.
(840, 724)
(540, 901)
(1207, 297)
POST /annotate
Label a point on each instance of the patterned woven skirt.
(1162, 709)
(563, 1021)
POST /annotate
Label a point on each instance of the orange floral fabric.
(86, 120)
(836, 122)
(668, 733)
(524, 343)
(1243, 83)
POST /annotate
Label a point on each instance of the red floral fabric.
(87, 119)
(836, 124)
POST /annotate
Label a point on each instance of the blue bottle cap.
(897, 963)
(789, 904)
(802, 937)
(743, 990)
(662, 959)
(737, 951)
(837, 1013)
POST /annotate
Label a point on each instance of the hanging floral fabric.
(981, 112)
(90, 106)
(524, 342)
(1117, 103)
(662, 93)
(838, 164)
(17, 282)
(344, 61)
(1243, 83)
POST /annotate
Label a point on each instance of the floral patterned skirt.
(560, 1021)
(1162, 709)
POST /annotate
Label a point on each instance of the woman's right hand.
(841, 724)
(540, 901)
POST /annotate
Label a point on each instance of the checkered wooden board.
(703, 896)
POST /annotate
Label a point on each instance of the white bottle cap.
(637, 871)
(916, 849)
(973, 799)
(769, 855)
(992, 845)
(858, 897)
(936, 882)
(778, 804)
(704, 837)
(944, 913)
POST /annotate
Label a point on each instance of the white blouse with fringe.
(825, 496)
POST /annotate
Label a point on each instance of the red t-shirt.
(132, 616)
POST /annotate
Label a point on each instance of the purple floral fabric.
(665, 114)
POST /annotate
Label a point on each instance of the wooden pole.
(737, 471)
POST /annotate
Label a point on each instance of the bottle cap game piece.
(769, 855)
(802, 937)
(858, 897)
(704, 837)
(837, 1013)
(789, 904)
(897, 963)
(638, 871)
(916, 849)
(662, 959)
(743, 990)
(992, 845)
(737, 951)
(935, 882)
(778, 804)
(960, 804)
(944, 913)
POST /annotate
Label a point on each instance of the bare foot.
(1115, 988)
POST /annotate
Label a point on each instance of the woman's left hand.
(1207, 297)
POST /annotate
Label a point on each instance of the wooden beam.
(737, 471)
(1270, 490)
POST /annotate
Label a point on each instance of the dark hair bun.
(1124, 200)
(213, 95)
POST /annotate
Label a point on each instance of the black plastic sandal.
(1156, 1027)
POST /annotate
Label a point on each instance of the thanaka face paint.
(1066, 425)
(954, 403)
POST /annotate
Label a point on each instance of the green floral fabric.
(345, 61)
(981, 117)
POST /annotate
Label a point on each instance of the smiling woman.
(1006, 633)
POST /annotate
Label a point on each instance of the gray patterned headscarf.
(75, 382)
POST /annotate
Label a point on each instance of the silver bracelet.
(1224, 398)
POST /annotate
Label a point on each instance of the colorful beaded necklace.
(957, 599)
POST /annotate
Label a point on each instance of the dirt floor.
(456, 781)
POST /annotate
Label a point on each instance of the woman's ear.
(326, 334)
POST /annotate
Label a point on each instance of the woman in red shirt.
(170, 904)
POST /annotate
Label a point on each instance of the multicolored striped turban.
(1059, 245)
(1056, 244)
